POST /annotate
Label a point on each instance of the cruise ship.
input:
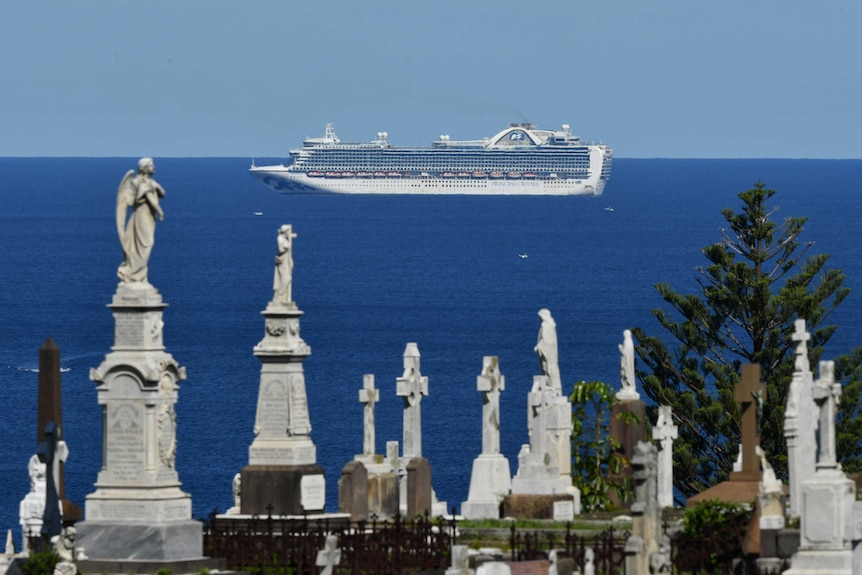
(519, 160)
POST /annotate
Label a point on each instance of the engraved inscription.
(312, 492)
(125, 442)
(272, 409)
(299, 423)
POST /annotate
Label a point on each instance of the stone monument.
(491, 479)
(382, 488)
(628, 413)
(645, 550)
(282, 476)
(330, 556)
(828, 496)
(50, 409)
(800, 421)
(664, 433)
(32, 507)
(544, 477)
(138, 514)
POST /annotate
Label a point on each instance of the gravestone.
(743, 486)
(828, 496)
(538, 484)
(645, 550)
(627, 407)
(412, 386)
(800, 421)
(282, 476)
(664, 433)
(353, 491)
(138, 515)
(460, 561)
(330, 556)
(491, 478)
(419, 492)
(52, 453)
(368, 396)
(50, 408)
(383, 484)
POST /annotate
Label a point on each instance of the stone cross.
(801, 337)
(51, 452)
(368, 395)
(827, 394)
(490, 383)
(412, 385)
(665, 432)
(750, 393)
(392, 455)
(329, 556)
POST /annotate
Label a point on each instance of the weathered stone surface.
(419, 491)
(278, 489)
(353, 491)
(521, 506)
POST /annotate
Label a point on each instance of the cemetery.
(389, 518)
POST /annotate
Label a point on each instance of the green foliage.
(40, 563)
(756, 282)
(717, 528)
(596, 453)
(164, 571)
(710, 515)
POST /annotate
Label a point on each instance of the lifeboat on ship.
(529, 174)
(479, 174)
(496, 175)
(314, 174)
(514, 175)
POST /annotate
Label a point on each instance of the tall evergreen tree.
(757, 281)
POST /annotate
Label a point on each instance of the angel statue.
(137, 235)
(546, 348)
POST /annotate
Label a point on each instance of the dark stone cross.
(52, 521)
(750, 393)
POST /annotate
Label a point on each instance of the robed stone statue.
(137, 235)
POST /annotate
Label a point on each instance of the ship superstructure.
(518, 160)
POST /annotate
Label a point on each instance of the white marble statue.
(283, 280)
(664, 433)
(627, 368)
(137, 235)
(546, 348)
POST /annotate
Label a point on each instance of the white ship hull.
(519, 160)
(281, 179)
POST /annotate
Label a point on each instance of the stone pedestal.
(827, 506)
(628, 435)
(282, 477)
(138, 511)
(490, 481)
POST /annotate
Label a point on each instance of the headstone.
(828, 496)
(771, 509)
(549, 421)
(491, 478)
(419, 492)
(412, 385)
(628, 421)
(368, 396)
(353, 491)
(664, 433)
(282, 454)
(460, 561)
(329, 556)
(800, 421)
(52, 453)
(383, 484)
(138, 510)
(644, 549)
(750, 394)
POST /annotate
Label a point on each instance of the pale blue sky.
(659, 78)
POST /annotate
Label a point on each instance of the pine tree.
(758, 280)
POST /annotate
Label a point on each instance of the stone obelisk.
(138, 514)
(282, 476)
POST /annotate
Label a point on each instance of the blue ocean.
(371, 274)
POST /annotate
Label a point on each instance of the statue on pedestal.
(283, 279)
(546, 348)
(137, 235)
